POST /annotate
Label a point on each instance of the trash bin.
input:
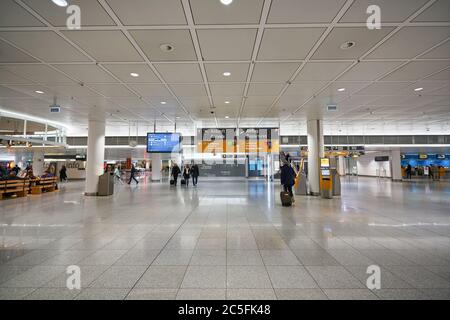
(106, 184)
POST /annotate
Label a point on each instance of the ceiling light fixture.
(347, 45)
(418, 89)
(341, 89)
(134, 74)
(163, 102)
(227, 74)
(39, 91)
(227, 102)
(60, 3)
(227, 117)
(226, 2)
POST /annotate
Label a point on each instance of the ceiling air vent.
(332, 107)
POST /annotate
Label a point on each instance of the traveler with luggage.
(186, 175)
(175, 172)
(195, 172)
(287, 180)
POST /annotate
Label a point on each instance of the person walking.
(117, 175)
(175, 172)
(408, 171)
(63, 174)
(132, 174)
(287, 178)
(186, 174)
(195, 172)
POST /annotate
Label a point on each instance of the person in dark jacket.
(408, 171)
(16, 169)
(195, 172)
(63, 174)
(186, 174)
(132, 174)
(175, 172)
(287, 178)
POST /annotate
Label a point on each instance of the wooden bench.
(19, 188)
(43, 185)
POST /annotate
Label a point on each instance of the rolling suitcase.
(183, 182)
(172, 182)
(286, 200)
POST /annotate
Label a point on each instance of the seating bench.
(43, 185)
(19, 188)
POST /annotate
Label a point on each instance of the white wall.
(367, 166)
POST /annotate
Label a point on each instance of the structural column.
(396, 165)
(315, 152)
(95, 151)
(38, 162)
(341, 164)
(156, 166)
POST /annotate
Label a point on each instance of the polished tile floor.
(228, 240)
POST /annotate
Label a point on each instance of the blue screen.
(163, 142)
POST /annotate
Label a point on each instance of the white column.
(341, 164)
(156, 166)
(396, 165)
(95, 151)
(315, 152)
(38, 162)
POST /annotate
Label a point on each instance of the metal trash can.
(106, 184)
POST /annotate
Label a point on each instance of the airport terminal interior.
(225, 149)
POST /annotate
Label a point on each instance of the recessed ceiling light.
(341, 89)
(418, 89)
(227, 74)
(227, 117)
(134, 74)
(177, 117)
(39, 91)
(226, 2)
(227, 102)
(347, 45)
(163, 102)
(60, 3)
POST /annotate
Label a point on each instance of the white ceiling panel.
(364, 38)
(149, 90)
(7, 76)
(76, 91)
(6, 92)
(86, 73)
(229, 89)
(220, 102)
(416, 70)
(151, 41)
(383, 88)
(238, 12)
(441, 52)
(144, 12)
(238, 72)
(304, 11)
(391, 10)
(404, 43)
(274, 72)
(259, 101)
(92, 14)
(291, 101)
(38, 73)
(189, 90)
(105, 46)
(180, 73)
(123, 72)
(227, 44)
(43, 44)
(288, 44)
(195, 102)
(9, 54)
(438, 12)
(369, 71)
(305, 88)
(264, 89)
(112, 90)
(350, 88)
(13, 15)
(443, 75)
(322, 71)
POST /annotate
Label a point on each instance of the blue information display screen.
(163, 142)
